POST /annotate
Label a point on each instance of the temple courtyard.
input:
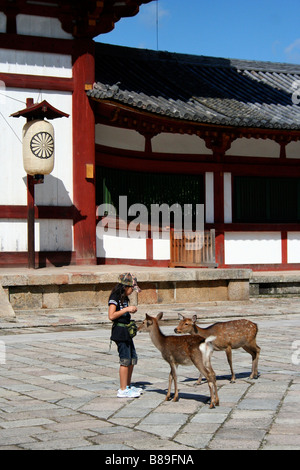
(59, 381)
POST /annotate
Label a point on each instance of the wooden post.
(30, 222)
(30, 211)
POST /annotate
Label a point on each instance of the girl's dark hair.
(119, 289)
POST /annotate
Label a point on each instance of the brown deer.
(229, 335)
(184, 350)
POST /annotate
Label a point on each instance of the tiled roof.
(199, 89)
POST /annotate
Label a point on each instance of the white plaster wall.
(119, 138)
(35, 63)
(161, 248)
(179, 143)
(110, 246)
(58, 187)
(13, 235)
(12, 176)
(50, 235)
(293, 247)
(41, 26)
(54, 235)
(254, 148)
(293, 150)
(253, 248)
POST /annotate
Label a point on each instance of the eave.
(217, 137)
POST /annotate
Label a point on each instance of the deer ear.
(148, 320)
(159, 316)
(180, 316)
(194, 318)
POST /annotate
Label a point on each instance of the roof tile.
(197, 88)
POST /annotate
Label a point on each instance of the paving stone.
(25, 423)
(58, 389)
(209, 417)
(198, 441)
(58, 444)
(258, 404)
(234, 444)
(282, 441)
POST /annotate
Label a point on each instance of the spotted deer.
(183, 350)
(229, 335)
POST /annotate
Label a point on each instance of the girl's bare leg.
(125, 376)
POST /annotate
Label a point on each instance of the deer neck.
(202, 331)
(157, 337)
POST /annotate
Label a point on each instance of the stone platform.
(88, 287)
(279, 284)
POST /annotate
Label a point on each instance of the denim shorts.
(127, 353)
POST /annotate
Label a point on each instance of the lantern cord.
(157, 25)
(11, 98)
(11, 127)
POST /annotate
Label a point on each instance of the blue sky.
(266, 30)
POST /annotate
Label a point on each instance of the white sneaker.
(127, 393)
(136, 389)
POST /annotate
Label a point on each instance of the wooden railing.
(195, 249)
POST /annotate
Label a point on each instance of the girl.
(119, 312)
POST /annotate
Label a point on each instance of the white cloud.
(292, 52)
(148, 14)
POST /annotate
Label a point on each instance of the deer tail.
(207, 349)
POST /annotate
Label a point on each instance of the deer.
(183, 350)
(229, 335)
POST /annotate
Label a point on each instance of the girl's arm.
(114, 315)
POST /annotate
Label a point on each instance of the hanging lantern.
(38, 147)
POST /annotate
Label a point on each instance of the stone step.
(6, 309)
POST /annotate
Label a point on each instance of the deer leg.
(211, 380)
(172, 376)
(169, 388)
(214, 382)
(175, 383)
(255, 365)
(228, 351)
(214, 398)
(199, 380)
(254, 350)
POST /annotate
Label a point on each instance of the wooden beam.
(35, 82)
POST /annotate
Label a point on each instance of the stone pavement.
(58, 385)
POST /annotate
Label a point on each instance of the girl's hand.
(132, 309)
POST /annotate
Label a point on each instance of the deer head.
(149, 322)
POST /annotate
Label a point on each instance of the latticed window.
(148, 188)
(266, 199)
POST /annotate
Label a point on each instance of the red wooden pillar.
(84, 154)
(284, 247)
(219, 215)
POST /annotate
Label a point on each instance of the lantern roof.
(40, 111)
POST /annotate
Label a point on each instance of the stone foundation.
(281, 284)
(91, 290)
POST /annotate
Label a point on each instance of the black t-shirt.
(116, 300)
(120, 333)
